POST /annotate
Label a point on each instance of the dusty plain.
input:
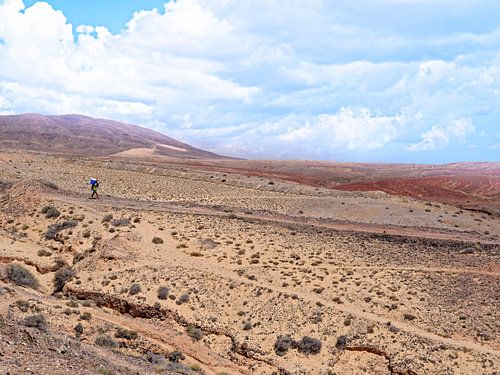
(259, 274)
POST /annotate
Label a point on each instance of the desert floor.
(250, 268)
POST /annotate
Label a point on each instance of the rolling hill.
(82, 135)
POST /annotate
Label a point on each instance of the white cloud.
(441, 135)
(347, 129)
(301, 78)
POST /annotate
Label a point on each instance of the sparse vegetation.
(176, 356)
(78, 329)
(196, 368)
(183, 299)
(23, 305)
(62, 276)
(54, 229)
(120, 222)
(409, 316)
(308, 345)
(194, 332)
(154, 358)
(36, 321)
(106, 341)
(157, 240)
(283, 344)
(341, 342)
(50, 212)
(123, 333)
(44, 253)
(134, 289)
(86, 316)
(107, 218)
(163, 292)
(21, 276)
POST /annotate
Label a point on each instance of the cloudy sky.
(365, 80)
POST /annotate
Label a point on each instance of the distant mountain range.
(82, 135)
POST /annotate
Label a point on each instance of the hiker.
(94, 184)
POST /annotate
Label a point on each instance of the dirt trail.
(343, 226)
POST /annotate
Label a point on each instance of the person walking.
(94, 185)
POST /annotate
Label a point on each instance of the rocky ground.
(176, 270)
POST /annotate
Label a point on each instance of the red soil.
(480, 192)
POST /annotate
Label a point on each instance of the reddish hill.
(471, 185)
(82, 135)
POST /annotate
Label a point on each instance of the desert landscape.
(212, 265)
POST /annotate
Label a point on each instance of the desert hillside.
(82, 135)
(185, 268)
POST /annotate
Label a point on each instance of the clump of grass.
(62, 276)
(308, 345)
(54, 229)
(283, 344)
(156, 359)
(44, 253)
(409, 316)
(134, 289)
(120, 222)
(106, 341)
(36, 321)
(194, 332)
(123, 333)
(86, 316)
(196, 368)
(21, 276)
(24, 306)
(78, 329)
(341, 342)
(163, 292)
(107, 218)
(157, 240)
(183, 299)
(50, 212)
(176, 356)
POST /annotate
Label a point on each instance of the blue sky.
(371, 80)
(113, 14)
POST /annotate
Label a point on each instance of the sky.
(365, 80)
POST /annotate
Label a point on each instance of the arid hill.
(471, 185)
(82, 135)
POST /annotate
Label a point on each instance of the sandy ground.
(386, 285)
